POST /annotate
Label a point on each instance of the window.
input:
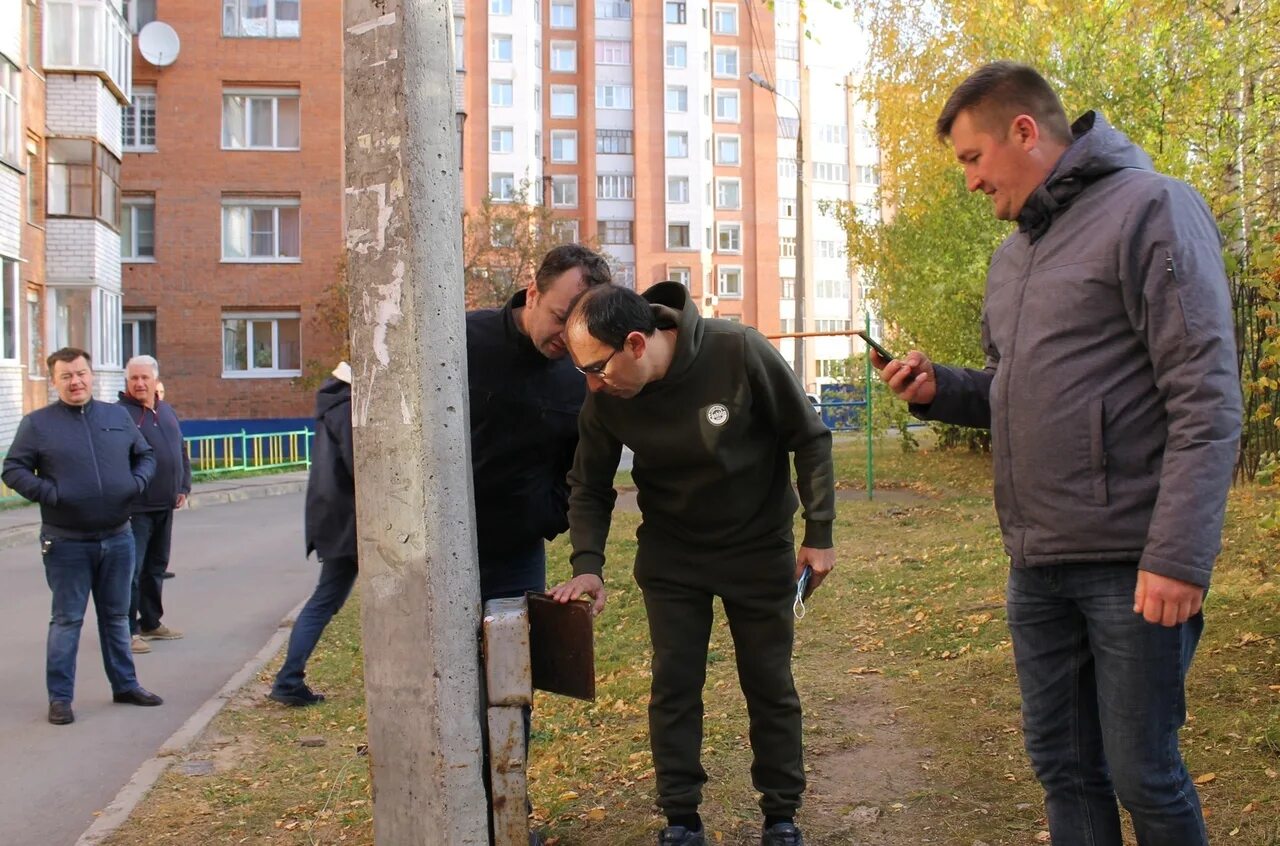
(788, 290)
(261, 344)
(677, 98)
(616, 186)
(564, 145)
(613, 52)
(788, 49)
(728, 150)
(613, 96)
(830, 172)
(787, 207)
(728, 193)
(833, 289)
(564, 191)
(830, 249)
(788, 127)
(677, 145)
(678, 235)
(109, 326)
(537, 52)
(459, 42)
(786, 247)
(72, 309)
(10, 310)
(502, 234)
(138, 120)
(615, 141)
(726, 20)
(564, 101)
(834, 133)
(499, 7)
(501, 92)
(500, 48)
(138, 335)
(674, 12)
(564, 14)
(139, 13)
(624, 275)
(10, 113)
(261, 120)
(35, 350)
(261, 230)
(617, 231)
(83, 181)
(261, 18)
(502, 187)
(537, 99)
(679, 274)
(789, 88)
(35, 181)
(564, 56)
(138, 229)
(729, 237)
(537, 143)
(83, 35)
(565, 230)
(868, 174)
(729, 281)
(613, 9)
(502, 139)
(726, 62)
(786, 171)
(677, 189)
(727, 105)
(677, 54)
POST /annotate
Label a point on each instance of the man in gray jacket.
(1113, 400)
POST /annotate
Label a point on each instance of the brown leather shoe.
(60, 713)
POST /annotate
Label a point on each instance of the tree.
(503, 244)
(1194, 84)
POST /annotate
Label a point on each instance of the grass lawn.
(904, 666)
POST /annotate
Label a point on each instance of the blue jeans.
(152, 537)
(337, 577)
(1102, 701)
(74, 569)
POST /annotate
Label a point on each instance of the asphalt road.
(240, 570)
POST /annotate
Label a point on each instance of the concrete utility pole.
(419, 581)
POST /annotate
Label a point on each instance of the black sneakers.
(678, 835)
(782, 834)
(298, 698)
(60, 713)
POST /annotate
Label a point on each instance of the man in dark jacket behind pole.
(85, 463)
(1114, 406)
(330, 532)
(152, 513)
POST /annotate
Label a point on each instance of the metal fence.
(239, 452)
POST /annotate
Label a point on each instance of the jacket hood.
(332, 393)
(674, 309)
(129, 399)
(1098, 150)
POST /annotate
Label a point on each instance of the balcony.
(89, 36)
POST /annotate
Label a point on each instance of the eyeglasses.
(598, 368)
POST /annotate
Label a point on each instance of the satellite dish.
(158, 43)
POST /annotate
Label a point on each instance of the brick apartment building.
(232, 229)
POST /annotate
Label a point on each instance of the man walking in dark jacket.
(330, 532)
(152, 513)
(1114, 406)
(713, 413)
(85, 462)
(525, 396)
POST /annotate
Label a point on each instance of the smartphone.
(871, 342)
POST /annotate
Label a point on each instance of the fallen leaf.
(1206, 778)
(567, 795)
(595, 814)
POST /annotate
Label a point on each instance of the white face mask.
(802, 587)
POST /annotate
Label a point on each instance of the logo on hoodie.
(717, 415)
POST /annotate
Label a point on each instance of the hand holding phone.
(875, 345)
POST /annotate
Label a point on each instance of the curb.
(30, 532)
(144, 778)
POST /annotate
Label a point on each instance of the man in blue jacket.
(85, 462)
(1113, 400)
(152, 518)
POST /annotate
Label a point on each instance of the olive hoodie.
(711, 440)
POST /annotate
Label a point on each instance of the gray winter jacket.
(1110, 387)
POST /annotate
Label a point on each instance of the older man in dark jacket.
(152, 517)
(85, 463)
(1114, 406)
(330, 533)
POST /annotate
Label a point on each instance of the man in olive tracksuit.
(711, 411)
